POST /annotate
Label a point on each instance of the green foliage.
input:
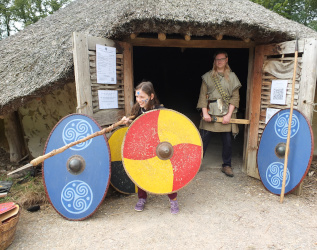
(301, 11)
(5, 17)
(16, 14)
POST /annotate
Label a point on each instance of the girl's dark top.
(142, 110)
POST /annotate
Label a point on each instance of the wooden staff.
(232, 120)
(42, 158)
(289, 124)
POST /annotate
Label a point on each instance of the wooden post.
(254, 112)
(82, 74)
(128, 76)
(14, 136)
(247, 116)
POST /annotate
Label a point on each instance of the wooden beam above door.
(181, 43)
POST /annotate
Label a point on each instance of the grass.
(27, 191)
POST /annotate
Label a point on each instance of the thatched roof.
(39, 58)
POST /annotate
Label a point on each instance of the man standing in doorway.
(219, 96)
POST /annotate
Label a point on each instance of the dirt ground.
(216, 212)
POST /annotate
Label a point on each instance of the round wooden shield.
(119, 178)
(76, 180)
(5, 207)
(162, 151)
(271, 152)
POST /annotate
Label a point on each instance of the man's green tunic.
(208, 88)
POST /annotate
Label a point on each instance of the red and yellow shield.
(162, 151)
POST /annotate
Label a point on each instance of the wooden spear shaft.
(42, 158)
(289, 124)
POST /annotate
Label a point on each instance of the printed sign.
(108, 99)
(106, 64)
(278, 92)
(269, 113)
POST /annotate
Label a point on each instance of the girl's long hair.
(227, 68)
(146, 87)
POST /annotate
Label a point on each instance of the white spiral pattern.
(281, 125)
(75, 130)
(274, 175)
(76, 197)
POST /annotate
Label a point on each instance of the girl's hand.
(126, 120)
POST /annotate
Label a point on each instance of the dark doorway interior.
(176, 76)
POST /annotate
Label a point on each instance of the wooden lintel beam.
(181, 43)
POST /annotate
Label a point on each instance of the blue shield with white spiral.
(270, 156)
(76, 180)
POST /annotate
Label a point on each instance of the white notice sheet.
(106, 64)
(269, 113)
(108, 99)
(278, 92)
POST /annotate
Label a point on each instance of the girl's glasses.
(221, 59)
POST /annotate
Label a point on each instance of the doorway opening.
(176, 76)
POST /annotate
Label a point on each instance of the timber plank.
(82, 74)
(283, 48)
(308, 79)
(107, 117)
(307, 83)
(92, 41)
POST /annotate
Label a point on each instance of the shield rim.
(157, 110)
(311, 153)
(120, 191)
(104, 196)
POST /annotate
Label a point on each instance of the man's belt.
(211, 101)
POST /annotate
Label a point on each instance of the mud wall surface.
(39, 116)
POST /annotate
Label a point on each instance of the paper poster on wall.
(278, 92)
(108, 99)
(269, 113)
(106, 64)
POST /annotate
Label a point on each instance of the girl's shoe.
(174, 206)
(140, 205)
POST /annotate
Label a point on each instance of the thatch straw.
(39, 58)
